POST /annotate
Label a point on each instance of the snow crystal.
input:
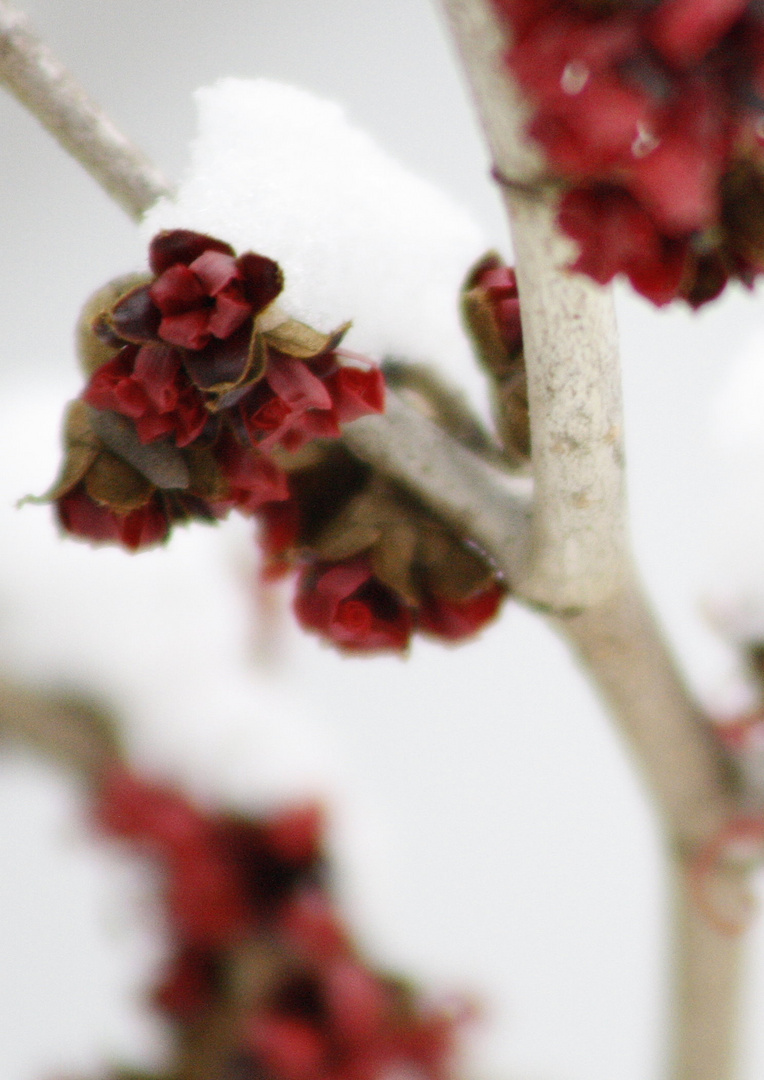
(277, 170)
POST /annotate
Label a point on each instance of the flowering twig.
(42, 84)
(490, 507)
(578, 566)
(580, 557)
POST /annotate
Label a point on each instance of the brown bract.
(490, 308)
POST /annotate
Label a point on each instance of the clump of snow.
(277, 170)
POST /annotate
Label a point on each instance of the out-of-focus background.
(492, 832)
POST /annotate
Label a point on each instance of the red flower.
(651, 104)
(499, 284)
(616, 235)
(457, 619)
(346, 604)
(82, 516)
(300, 400)
(253, 479)
(149, 385)
(201, 291)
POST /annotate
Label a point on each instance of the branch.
(42, 84)
(580, 566)
(490, 507)
(71, 731)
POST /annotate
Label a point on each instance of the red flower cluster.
(202, 379)
(652, 114)
(373, 567)
(255, 931)
(347, 604)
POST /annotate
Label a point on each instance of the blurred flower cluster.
(652, 115)
(263, 980)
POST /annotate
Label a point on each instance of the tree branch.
(42, 84)
(482, 503)
(580, 567)
(72, 731)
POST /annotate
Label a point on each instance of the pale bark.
(70, 730)
(42, 84)
(580, 567)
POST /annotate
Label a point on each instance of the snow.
(277, 170)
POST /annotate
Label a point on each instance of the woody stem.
(580, 567)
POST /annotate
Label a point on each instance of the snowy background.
(492, 833)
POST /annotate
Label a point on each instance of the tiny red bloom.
(203, 291)
(457, 619)
(149, 385)
(81, 516)
(346, 604)
(616, 235)
(253, 478)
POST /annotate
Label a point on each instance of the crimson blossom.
(196, 379)
(255, 936)
(650, 116)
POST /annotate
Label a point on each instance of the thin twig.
(490, 507)
(70, 730)
(42, 84)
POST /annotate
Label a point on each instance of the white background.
(493, 833)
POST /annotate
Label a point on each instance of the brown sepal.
(742, 213)
(450, 569)
(483, 329)
(95, 343)
(206, 480)
(161, 462)
(302, 342)
(113, 483)
(81, 447)
(226, 394)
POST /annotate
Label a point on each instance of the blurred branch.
(72, 731)
(42, 84)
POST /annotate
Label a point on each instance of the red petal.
(181, 246)
(230, 311)
(177, 290)
(453, 620)
(290, 1049)
(295, 834)
(156, 368)
(295, 384)
(356, 392)
(189, 331)
(215, 271)
(79, 515)
(685, 30)
(263, 280)
(144, 526)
